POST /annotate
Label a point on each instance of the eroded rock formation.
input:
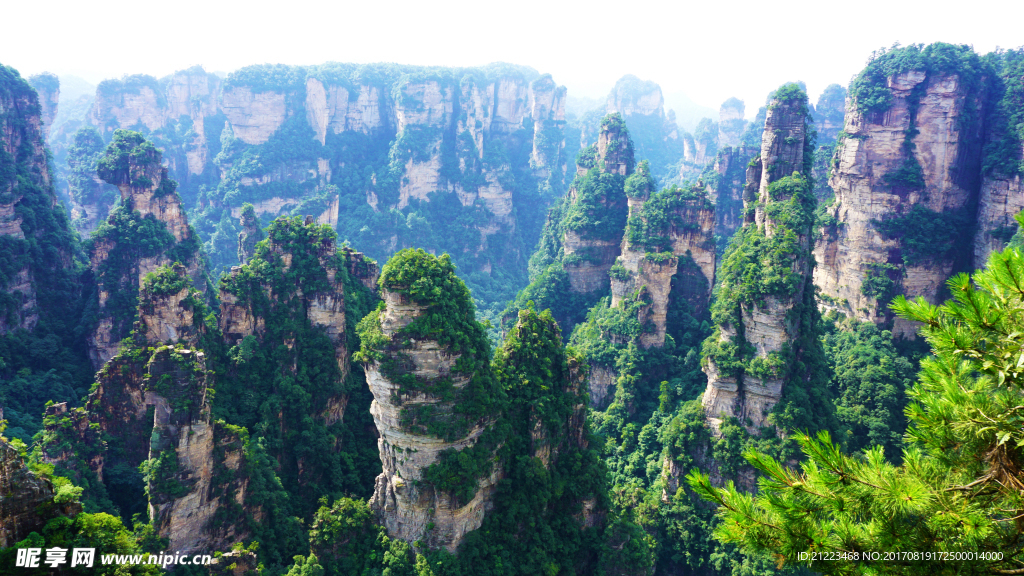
(777, 237)
(25, 177)
(422, 389)
(932, 129)
(126, 252)
(730, 123)
(590, 243)
(151, 405)
(28, 499)
(663, 269)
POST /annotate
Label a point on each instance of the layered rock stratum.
(934, 121)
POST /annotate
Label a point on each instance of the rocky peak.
(547, 103)
(765, 319)
(25, 187)
(726, 188)
(134, 165)
(149, 230)
(782, 147)
(47, 85)
(251, 233)
(632, 96)
(597, 207)
(167, 307)
(730, 123)
(913, 158)
(614, 146)
(829, 113)
(433, 397)
(658, 261)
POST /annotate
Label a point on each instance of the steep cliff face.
(669, 234)
(916, 159)
(28, 499)
(597, 209)
(173, 111)
(89, 198)
(1000, 198)
(195, 466)
(321, 297)
(470, 157)
(1002, 191)
(655, 135)
(547, 105)
(148, 230)
(751, 356)
(725, 182)
(47, 86)
(829, 114)
(434, 396)
(292, 307)
(150, 404)
(730, 123)
(35, 275)
(25, 187)
(250, 234)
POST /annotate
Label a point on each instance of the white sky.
(709, 50)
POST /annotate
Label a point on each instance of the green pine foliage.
(870, 378)
(958, 489)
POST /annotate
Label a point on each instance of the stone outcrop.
(690, 235)
(590, 256)
(634, 97)
(946, 143)
(547, 109)
(47, 85)
(323, 308)
(28, 498)
(250, 234)
(22, 130)
(135, 168)
(481, 118)
(725, 184)
(769, 324)
(1000, 198)
(207, 471)
(409, 508)
(150, 402)
(730, 123)
(829, 114)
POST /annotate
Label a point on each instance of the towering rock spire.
(597, 208)
(434, 396)
(765, 281)
(906, 180)
(148, 230)
(151, 405)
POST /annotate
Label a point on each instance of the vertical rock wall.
(23, 172)
(946, 119)
(766, 323)
(134, 166)
(589, 252)
(420, 384)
